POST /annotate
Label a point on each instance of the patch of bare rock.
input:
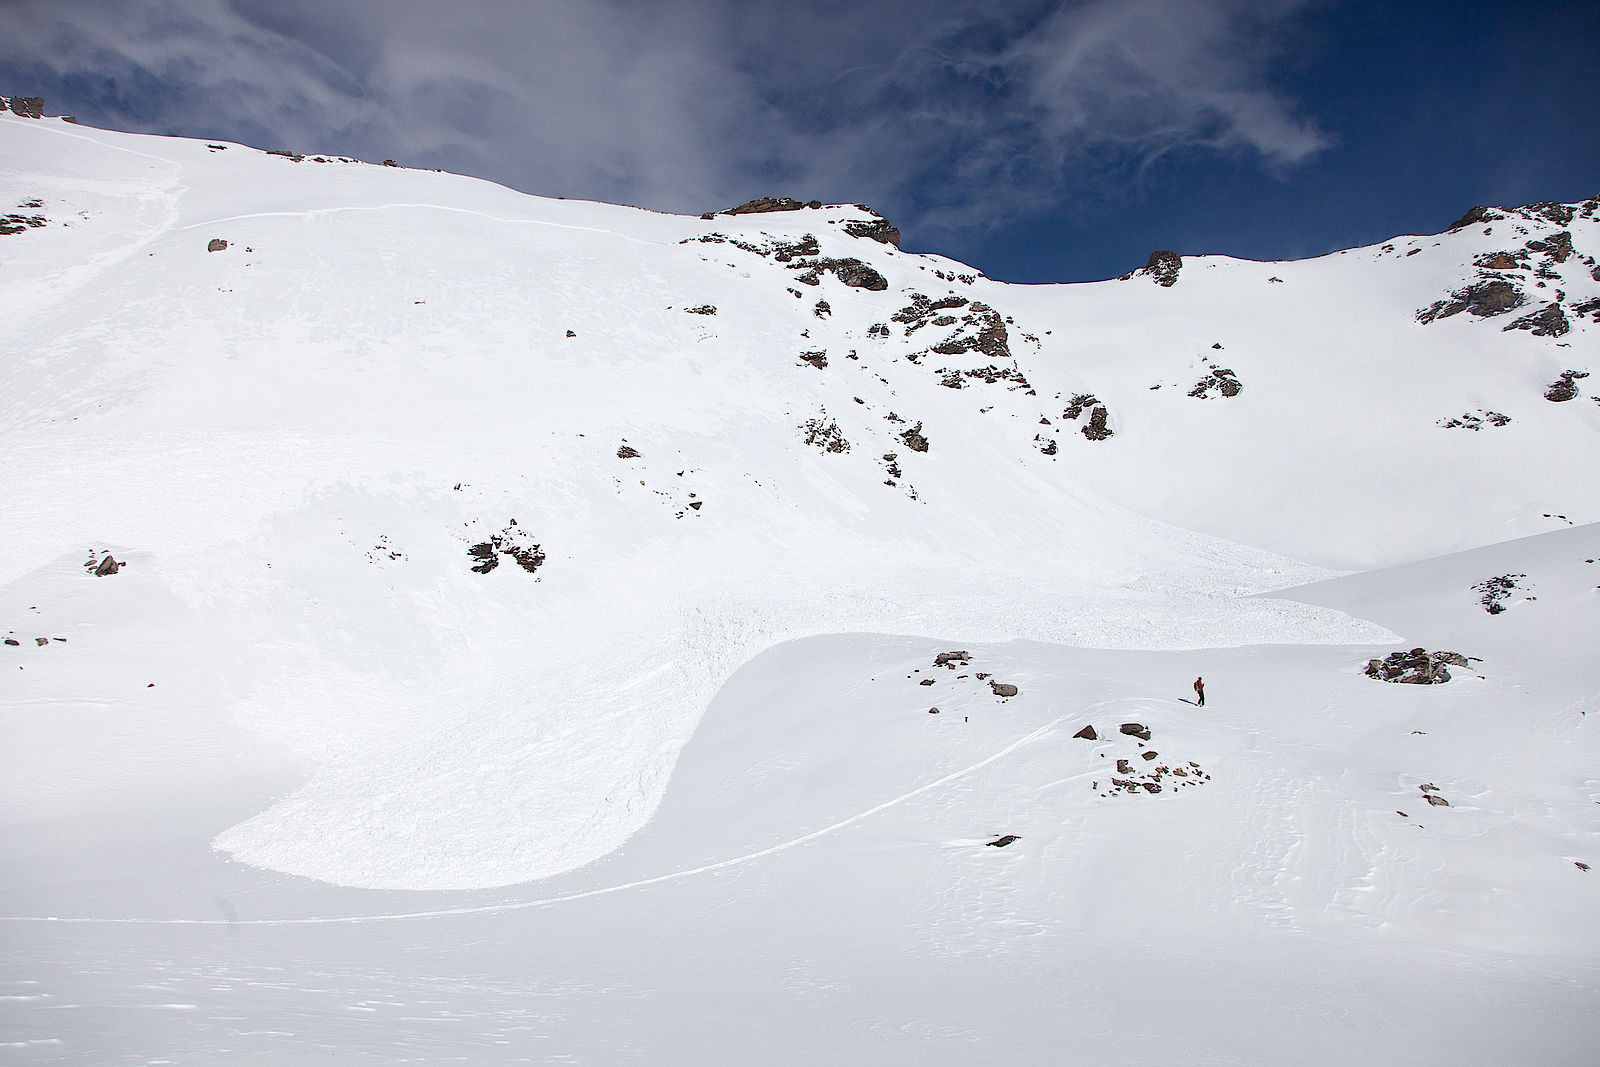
(1416, 667)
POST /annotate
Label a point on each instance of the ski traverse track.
(520, 905)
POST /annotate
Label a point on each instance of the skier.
(1200, 690)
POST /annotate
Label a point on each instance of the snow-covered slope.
(446, 513)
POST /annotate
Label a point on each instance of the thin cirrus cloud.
(945, 112)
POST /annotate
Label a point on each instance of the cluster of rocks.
(1430, 793)
(818, 359)
(1163, 266)
(955, 660)
(978, 328)
(1218, 381)
(914, 439)
(39, 641)
(875, 229)
(764, 204)
(101, 568)
(512, 541)
(28, 107)
(1565, 387)
(1148, 775)
(1504, 275)
(1417, 667)
(1475, 422)
(703, 309)
(1560, 214)
(805, 256)
(1484, 299)
(824, 435)
(1496, 590)
(1096, 429)
(1548, 321)
(17, 222)
(384, 550)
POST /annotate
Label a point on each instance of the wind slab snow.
(533, 557)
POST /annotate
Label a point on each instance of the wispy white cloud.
(938, 110)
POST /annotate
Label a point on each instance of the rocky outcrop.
(1484, 299)
(510, 541)
(1163, 266)
(1476, 422)
(1475, 216)
(29, 107)
(1548, 321)
(764, 204)
(1565, 387)
(1219, 381)
(824, 435)
(1416, 667)
(216, 244)
(1496, 591)
(877, 229)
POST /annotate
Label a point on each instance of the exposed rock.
(1560, 214)
(1002, 689)
(1548, 321)
(876, 230)
(1416, 667)
(109, 565)
(767, 203)
(818, 360)
(826, 436)
(29, 107)
(703, 309)
(1558, 246)
(627, 452)
(1002, 842)
(11, 224)
(1476, 422)
(926, 681)
(950, 659)
(1565, 387)
(1087, 734)
(1436, 801)
(1475, 216)
(1495, 296)
(1163, 266)
(216, 244)
(1124, 767)
(1133, 729)
(1496, 590)
(914, 439)
(855, 274)
(1220, 381)
(1499, 261)
(511, 541)
(823, 309)
(1588, 307)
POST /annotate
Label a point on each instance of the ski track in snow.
(521, 905)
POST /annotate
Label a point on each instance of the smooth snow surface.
(299, 781)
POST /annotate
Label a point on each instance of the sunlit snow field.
(299, 783)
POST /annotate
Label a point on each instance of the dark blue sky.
(1038, 140)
